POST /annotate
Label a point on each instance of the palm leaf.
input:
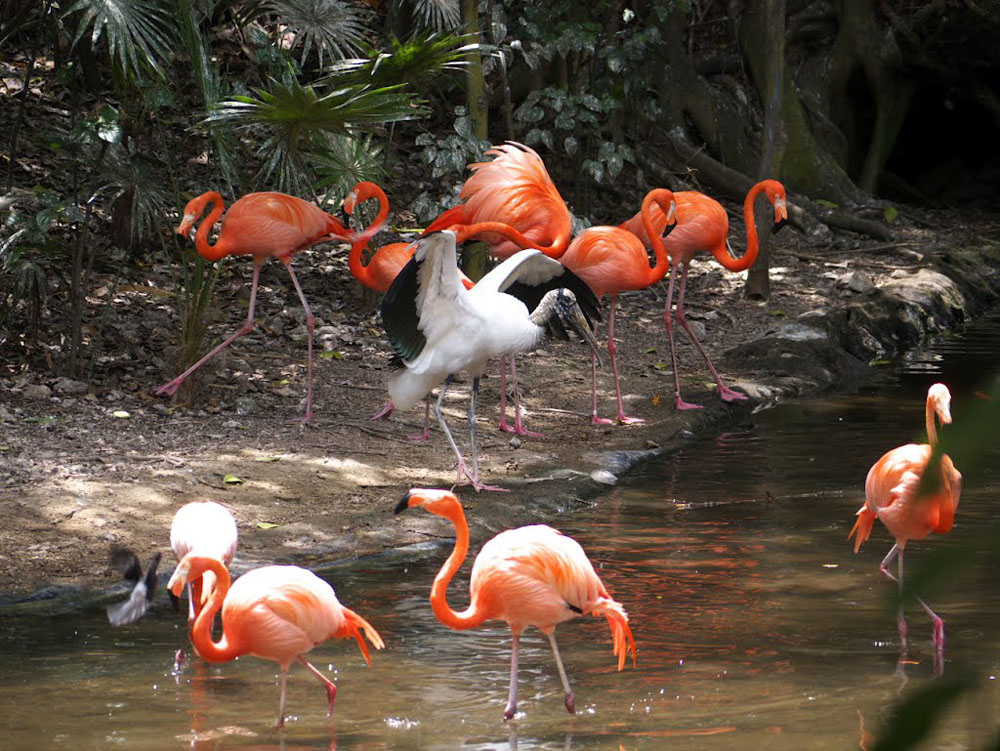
(333, 27)
(437, 14)
(415, 61)
(138, 32)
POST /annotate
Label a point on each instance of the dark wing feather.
(127, 563)
(400, 317)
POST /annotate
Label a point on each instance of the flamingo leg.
(883, 568)
(515, 651)
(310, 326)
(613, 351)
(938, 637)
(725, 393)
(570, 697)
(668, 321)
(518, 428)
(331, 688)
(594, 419)
(426, 433)
(171, 386)
(281, 700)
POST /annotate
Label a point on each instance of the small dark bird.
(132, 609)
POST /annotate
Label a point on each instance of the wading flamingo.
(208, 529)
(612, 259)
(891, 495)
(143, 589)
(529, 576)
(274, 612)
(514, 189)
(702, 225)
(437, 327)
(263, 225)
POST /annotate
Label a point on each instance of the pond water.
(756, 624)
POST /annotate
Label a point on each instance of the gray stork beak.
(573, 318)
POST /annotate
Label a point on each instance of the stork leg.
(515, 651)
(570, 698)
(426, 433)
(725, 393)
(474, 477)
(518, 428)
(613, 351)
(310, 326)
(668, 321)
(171, 386)
(331, 688)
(462, 469)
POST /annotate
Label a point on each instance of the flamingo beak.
(780, 214)
(184, 228)
(404, 503)
(178, 579)
(671, 220)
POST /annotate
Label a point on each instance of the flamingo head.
(190, 568)
(939, 397)
(350, 201)
(194, 209)
(440, 502)
(187, 222)
(775, 192)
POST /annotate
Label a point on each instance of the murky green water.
(757, 626)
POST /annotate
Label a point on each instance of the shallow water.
(756, 624)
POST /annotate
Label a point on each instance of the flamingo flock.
(439, 324)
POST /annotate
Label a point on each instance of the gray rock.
(859, 282)
(604, 477)
(37, 391)
(69, 387)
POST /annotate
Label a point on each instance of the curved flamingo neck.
(665, 199)
(363, 191)
(206, 251)
(753, 247)
(466, 231)
(468, 618)
(201, 632)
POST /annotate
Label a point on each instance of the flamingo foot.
(419, 437)
(519, 430)
(595, 420)
(384, 412)
(728, 395)
(169, 388)
(682, 405)
(623, 420)
(571, 703)
(180, 661)
(938, 633)
(510, 710)
(331, 692)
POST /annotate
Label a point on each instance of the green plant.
(333, 27)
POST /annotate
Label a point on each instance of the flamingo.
(891, 494)
(262, 225)
(143, 589)
(514, 189)
(612, 259)
(274, 612)
(702, 225)
(529, 576)
(437, 327)
(208, 529)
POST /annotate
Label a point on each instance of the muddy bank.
(77, 476)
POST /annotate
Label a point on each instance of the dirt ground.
(83, 467)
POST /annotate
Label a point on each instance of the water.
(756, 624)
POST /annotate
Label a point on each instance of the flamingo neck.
(469, 618)
(220, 249)
(467, 231)
(665, 199)
(354, 259)
(929, 421)
(201, 632)
(750, 256)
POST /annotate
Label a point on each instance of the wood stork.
(437, 327)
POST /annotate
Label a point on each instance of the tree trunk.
(772, 149)
(475, 82)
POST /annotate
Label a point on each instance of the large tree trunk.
(475, 82)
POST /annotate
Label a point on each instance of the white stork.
(437, 327)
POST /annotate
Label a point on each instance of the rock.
(69, 387)
(859, 282)
(37, 391)
(245, 406)
(604, 477)
(514, 442)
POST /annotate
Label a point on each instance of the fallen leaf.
(649, 351)
(268, 459)
(232, 480)
(121, 413)
(332, 355)
(267, 525)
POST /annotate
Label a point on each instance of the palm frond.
(415, 61)
(347, 160)
(136, 189)
(333, 27)
(437, 14)
(137, 32)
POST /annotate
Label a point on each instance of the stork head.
(560, 313)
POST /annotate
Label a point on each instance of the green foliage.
(416, 61)
(137, 33)
(437, 14)
(334, 27)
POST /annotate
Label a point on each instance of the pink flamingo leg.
(668, 321)
(518, 428)
(331, 689)
(383, 413)
(426, 433)
(613, 351)
(570, 697)
(281, 700)
(938, 637)
(725, 393)
(171, 386)
(310, 326)
(515, 650)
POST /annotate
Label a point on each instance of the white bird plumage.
(209, 529)
(437, 327)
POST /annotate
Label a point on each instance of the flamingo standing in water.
(891, 494)
(514, 189)
(262, 225)
(529, 576)
(274, 612)
(437, 327)
(208, 529)
(702, 225)
(612, 259)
